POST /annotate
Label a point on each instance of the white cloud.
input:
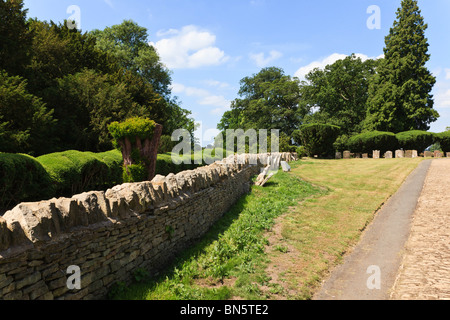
(205, 97)
(189, 47)
(447, 74)
(321, 64)
(262, 61)
(109, 3)
(215, 83)
(442, 99)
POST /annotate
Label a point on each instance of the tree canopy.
(399, 96)
(338, 94)
(268, 100)
(62, 87)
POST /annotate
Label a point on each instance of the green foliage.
(25, 122)
(269, 100)
(233, 248)
(15, 38)
(165, 165)
(340, 92)
(135, 173)
(166, 144)
(415, 140)
(22, 178)
(132, 128)
(399, 96)
(318, 139)
(367, 142)
(74, 172)
(444, 140)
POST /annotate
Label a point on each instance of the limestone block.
(69, 213)
(37, 221)
(5, 235)
(95, 206)
(437, 154)
(286, 167)
(399, 154)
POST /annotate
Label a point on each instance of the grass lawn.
(318, 232)
(279, 241)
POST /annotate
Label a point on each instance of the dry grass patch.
(319, 231)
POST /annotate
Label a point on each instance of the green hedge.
(444, 140)
(22, 179)
(367, 142)
(415, 140)
(74, 172)
(318, 139)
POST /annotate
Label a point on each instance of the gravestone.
(437, 154)
(408, 154)
(357, 155)
(448, 154)
(286, 167)
(388, 155)
(376, 154)
(414, 154)
(399, 154)
(428, 154)
(338, 155)
(346, 154)
(365, 156)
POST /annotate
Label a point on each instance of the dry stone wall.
(108, 235)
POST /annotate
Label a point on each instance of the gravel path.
(425, 270)
(370, 270)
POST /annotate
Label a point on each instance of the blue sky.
(210, 45)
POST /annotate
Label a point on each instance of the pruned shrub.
(318, 139)
(138, 139)
(74, 172)
(444, 140)
(367, 142)
(415, 140)
(22, 178)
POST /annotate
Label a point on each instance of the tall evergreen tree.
(15, 38)
(399, 97)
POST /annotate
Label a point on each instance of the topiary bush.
(415, 140)
(444, 140)
(374, 140)
(318, 139)
(22, 178)
(75, 172)
(138, 139)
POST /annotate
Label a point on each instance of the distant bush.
(74, 172)
(318, 139)
(375, 140)
(166, 144)
(444, 140)
(22, 178)
(415, 140)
